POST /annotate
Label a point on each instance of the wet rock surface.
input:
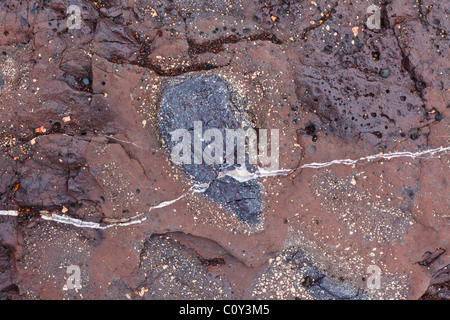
(87, 180)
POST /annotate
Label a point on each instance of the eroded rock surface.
(86, 177)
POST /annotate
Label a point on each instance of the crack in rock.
(241, 175)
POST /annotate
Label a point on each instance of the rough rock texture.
(81, 136)
(208, 101)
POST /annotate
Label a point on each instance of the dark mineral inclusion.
(321, 285)
(209, 99)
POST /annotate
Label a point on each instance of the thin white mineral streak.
(240, 174)
(9, 213)
(45, 215)
(387, 156)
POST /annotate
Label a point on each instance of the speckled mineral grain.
(358, 207)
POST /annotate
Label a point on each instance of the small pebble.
(385, 73)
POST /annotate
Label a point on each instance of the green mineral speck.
(385, 73)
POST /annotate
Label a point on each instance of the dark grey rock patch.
(209, 99)
(320, 284)
(2, 81)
